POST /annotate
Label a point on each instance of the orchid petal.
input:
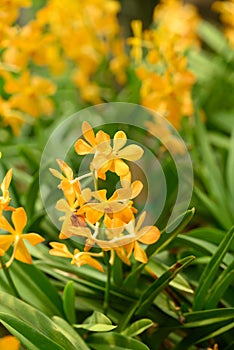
(19, 219)
(6, 181)
(140, 221)
(149, 235)
(65, 169)
(60, 249)
(88, 133)
(83, 147)
(22, 253)
(120, 168)
(33, 238)
(4, 225)
(131, 152)
(139, 253)
(119, 141)
(56, 173)
(136, 187)
(5, 242)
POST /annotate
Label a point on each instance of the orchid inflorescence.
(19, 220)
(108, 223)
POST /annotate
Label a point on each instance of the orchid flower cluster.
(108, 223)
(72, 40)
(160, 59)
(15, 235)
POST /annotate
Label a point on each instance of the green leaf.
(215, 39)
(147, 297)
(230, 167)
(153, 249)
(35, 288)
(158, 268)
(220, 286)
(204, 333)
(114, 341)
(157, 286)
(70, 333)
(23, 332)
(215, 183)
(166, 237)
(31, 318)
(210, 272)
(137, 327)
(97, 322)
(31, 196)
(208, 317)
(69, 302)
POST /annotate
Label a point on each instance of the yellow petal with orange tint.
(9, 342)
(60, 249)
(88, 133)
(120, 168)
(56, 173)
(33, 238)
(93, 215)
(120, 251)
(82, 147)
(19, 219)
(4, 225)
(119, 141)
(65, 169)
(149, 235)
(86, 259)
(139, 253)
(22, 253)
(6, 181)
(136, 187)
(5, 242)
(131, 152)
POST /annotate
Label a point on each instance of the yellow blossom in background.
(166, 81)
(71, 40)
(9, 342)
(226, 10)
(136, 42)
(16, 237)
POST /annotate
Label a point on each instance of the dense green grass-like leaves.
(32, 324)
(210, 272)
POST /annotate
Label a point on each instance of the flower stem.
(84, 176)
(108, 283)
(9, 278)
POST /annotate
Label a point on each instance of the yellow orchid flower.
(69, 185)
(20, 252)
(145, 235)
(70, 220)
(118, 205)
(9, 342)
(110, 158)
(136, 41)
(5, 198)
(82, 147)
(78, 258)
(107, 157)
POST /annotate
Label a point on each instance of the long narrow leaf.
(210, 272)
